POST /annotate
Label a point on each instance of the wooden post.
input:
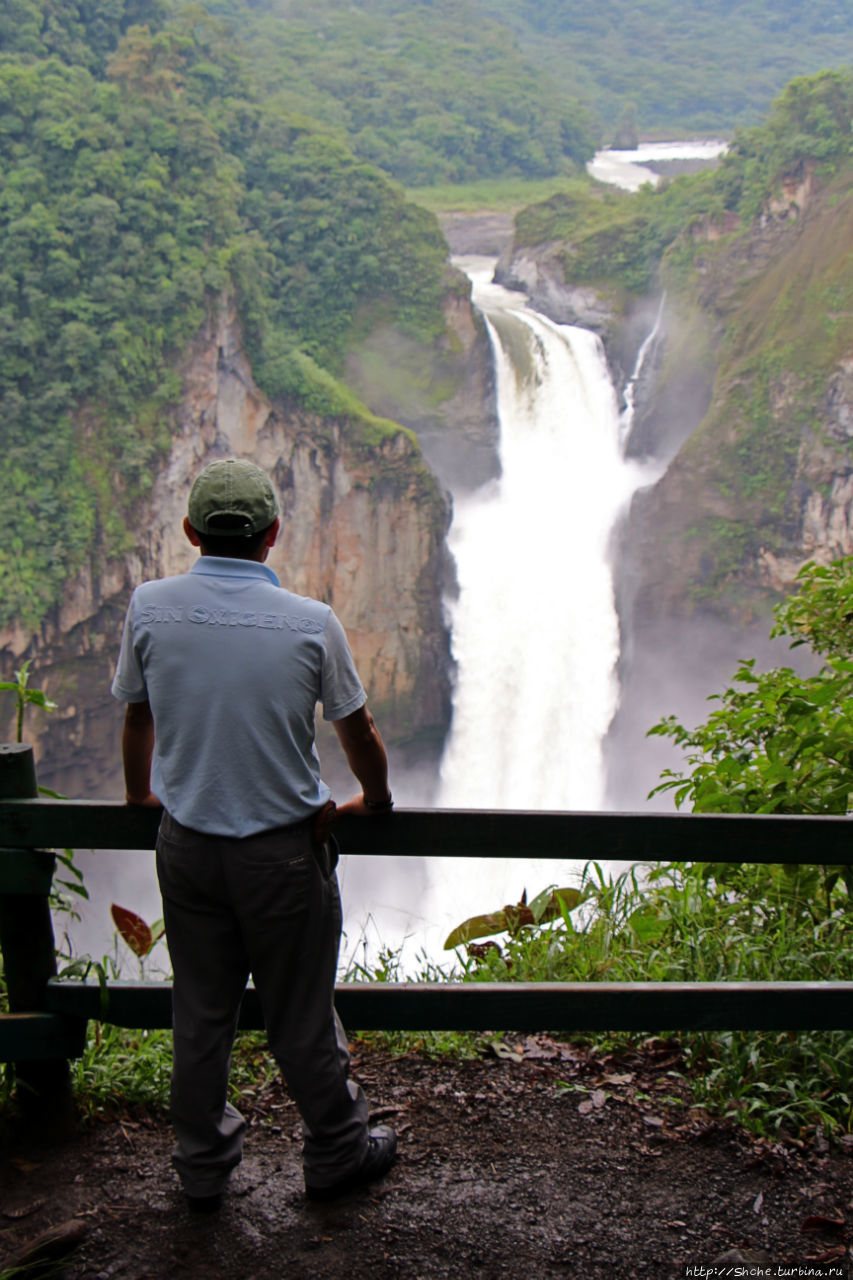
(29, 959)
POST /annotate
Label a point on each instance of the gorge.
(747, 392)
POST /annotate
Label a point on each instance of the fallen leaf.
(541, 1049)
(501, 1050)
(821, 1222)
(382, 1113)
(758, 1202)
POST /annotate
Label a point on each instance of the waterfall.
(646, 350)
(534, 628)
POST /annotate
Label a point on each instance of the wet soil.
(541, 1160)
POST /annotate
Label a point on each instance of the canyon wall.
(363, 528)
(753, 402)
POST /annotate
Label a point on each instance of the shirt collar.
(227, 567)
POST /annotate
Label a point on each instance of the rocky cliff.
(752, 400)
(746, 394)
(754, 397)
(623, 322)
(363, 528)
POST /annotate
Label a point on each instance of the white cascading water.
(626, 419)
(535, 632)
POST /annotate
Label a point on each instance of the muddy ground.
(550, 1162)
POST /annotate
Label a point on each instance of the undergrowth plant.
(695, 922)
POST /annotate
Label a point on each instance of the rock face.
(362, 528)
(752, 405)
(539, 273)
(753, 402)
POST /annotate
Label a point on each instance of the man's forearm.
(137, 748)
(366, 757)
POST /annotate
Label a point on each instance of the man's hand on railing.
(363, 808)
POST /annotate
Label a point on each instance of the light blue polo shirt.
(233, 666)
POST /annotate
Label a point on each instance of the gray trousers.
(268, 906)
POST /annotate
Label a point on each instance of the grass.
(493, 195)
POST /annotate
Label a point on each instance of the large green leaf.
(551, 904)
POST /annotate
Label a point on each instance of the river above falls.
(631, 169)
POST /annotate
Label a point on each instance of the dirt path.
(502, 1173)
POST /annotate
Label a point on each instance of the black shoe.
(204, 1204)
(378, 1158)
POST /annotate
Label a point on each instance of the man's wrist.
(379, 806)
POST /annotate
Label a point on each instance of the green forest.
(705, 66)
(144, 174)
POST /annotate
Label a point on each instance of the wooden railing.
(56, 1010)
(48, 1017)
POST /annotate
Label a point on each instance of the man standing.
(221, 670)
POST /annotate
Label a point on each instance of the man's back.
(233, 667)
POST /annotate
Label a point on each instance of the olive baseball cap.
(231, 498)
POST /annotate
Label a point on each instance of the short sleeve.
(341, 690)
(129, 681)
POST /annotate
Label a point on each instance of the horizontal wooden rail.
(511, 1006)
(52, 1022)
(421, 833)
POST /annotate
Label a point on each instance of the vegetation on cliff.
(144, 173)
(618, 240)
(778, 287)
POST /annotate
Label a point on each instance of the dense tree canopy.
(430, 91)
(143, 173)
(703, 66)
